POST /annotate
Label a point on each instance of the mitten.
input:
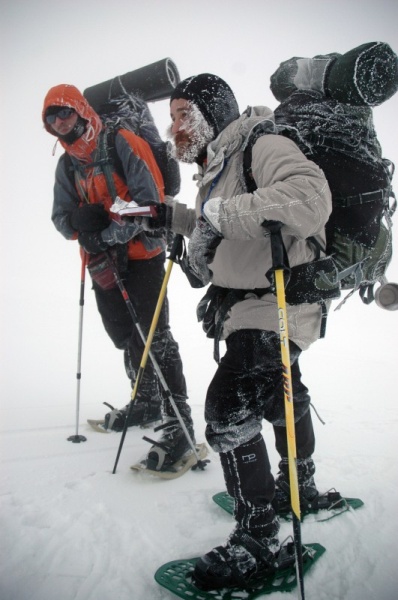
(202, 248)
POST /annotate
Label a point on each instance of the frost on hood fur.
(69, 95)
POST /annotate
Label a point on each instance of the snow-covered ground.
(72, 530)
(69, 528)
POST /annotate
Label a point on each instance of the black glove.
(163, 218)
(89, 217)
(202, 248)
(92, 242)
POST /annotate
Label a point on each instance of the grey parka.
(290, 189)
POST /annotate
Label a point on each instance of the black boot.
(144, 413)
(243, 560)
(252, 548)
(170, 448)
(307, 488)
(305, 446)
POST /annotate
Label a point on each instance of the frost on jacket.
(290, 189)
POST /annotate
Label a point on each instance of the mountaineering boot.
(240, 562)
(170, 448)
(252, 549)
(143, 413)
(307, 488)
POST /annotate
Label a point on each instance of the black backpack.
(340, 138)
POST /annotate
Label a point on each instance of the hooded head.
(81, 141)
(212, 96)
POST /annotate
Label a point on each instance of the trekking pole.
(279, 264)
(76, 439)
(175, 250)
(147, 352)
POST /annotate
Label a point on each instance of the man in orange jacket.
(81, 210)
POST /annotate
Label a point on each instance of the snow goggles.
(63, 113)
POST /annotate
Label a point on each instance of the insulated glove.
(89, 217)
(202, 248)
(163, 218)
(92, 242)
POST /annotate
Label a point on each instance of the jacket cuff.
(182, 221)
(212, 214)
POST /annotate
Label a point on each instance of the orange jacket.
(143, 179)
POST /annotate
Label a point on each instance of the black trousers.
(143, 281)
(248, 387)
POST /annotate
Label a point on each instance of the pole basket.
(76, 439)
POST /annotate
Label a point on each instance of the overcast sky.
(44, 43)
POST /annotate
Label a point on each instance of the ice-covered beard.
(192, 138)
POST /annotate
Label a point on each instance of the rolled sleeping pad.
(365, 76)
(152, 83)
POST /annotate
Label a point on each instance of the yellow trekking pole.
(280, 264)
(147, 352)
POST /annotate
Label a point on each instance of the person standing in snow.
(229, 247)
(81, 210)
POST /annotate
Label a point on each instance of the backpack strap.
(313, 282)
(108, 159)
(113, 156)
(257, 132)
(363, 198)
(105, 163)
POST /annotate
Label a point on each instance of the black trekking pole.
(76, 439)
(147, 352)
(279, 264)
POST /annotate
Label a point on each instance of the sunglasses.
(62, 113)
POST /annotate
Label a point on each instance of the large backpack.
(326, 110)
(121, 102)
(131, 112)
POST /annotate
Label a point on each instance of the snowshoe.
(331, 501)
(188, 461)
(98, 425)
(177, 577)
(328, 505)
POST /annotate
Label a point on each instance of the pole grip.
(176, 249)
(279, 257)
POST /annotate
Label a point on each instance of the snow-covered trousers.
(249, 481)
(143, 280)
(248, 387)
